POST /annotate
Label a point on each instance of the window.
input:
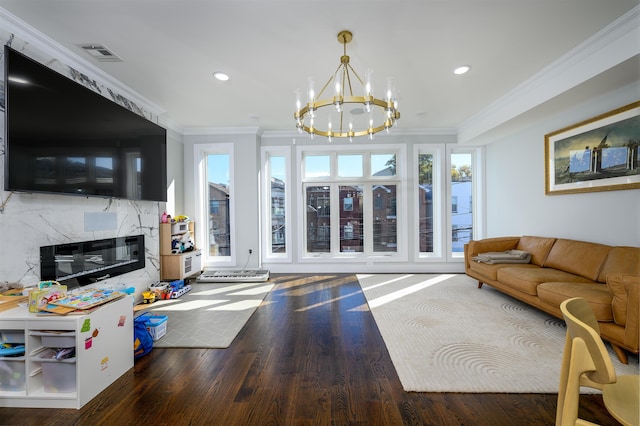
(278, 210)
(351, 217)
(385, 230)
(461, 200)
(217, 194)
(351, 201)
(275, 166)
(350, 165)
(214, 203)
(427, 195)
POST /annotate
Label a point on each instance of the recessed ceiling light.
(221, 76)
(461, 70)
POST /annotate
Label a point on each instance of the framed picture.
(599, 154)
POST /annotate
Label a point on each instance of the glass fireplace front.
(82, 263)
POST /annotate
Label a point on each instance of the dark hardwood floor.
(310, 355)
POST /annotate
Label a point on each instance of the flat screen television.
(62, 137)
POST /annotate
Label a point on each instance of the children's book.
(88, 299)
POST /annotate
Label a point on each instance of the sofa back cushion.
(539, 247)
(578, 257)
(623, 260)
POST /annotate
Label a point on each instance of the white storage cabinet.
(103, 342)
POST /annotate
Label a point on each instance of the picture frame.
(598, 154)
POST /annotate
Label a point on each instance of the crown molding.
(46, 45)
(607, 48)
(221, 131)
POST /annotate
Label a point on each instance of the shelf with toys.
(179, 256)
(63, 361)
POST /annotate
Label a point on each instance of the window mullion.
(367, 218)
(335, 218)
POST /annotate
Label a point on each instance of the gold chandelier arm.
(346, 68)
(329, 81)
(356, 74)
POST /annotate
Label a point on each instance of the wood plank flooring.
(310, 355)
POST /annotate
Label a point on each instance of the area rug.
(210, 315)
(445, 335)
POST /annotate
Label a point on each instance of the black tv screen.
(61, 137)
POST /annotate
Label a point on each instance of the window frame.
(266, 154)
(438, 151)
(477, 191)
(201, 198)
(368, 181)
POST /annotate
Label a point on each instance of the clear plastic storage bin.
(12, 374)
(59, 376)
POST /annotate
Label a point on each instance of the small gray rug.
(446, 335)
(210, 315)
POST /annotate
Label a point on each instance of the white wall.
(175, 173)
(245, 193)
(517, 205)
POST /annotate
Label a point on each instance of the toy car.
(148, 297)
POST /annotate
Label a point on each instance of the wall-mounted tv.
(61, 137)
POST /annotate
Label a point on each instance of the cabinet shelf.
(102, 342)
(176, 266)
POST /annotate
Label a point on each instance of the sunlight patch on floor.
(238, 306)
(222, 289)
(382, 283)
(188, 306)
(317, 305)
(407, 291)
(253, 291)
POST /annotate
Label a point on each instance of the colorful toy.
(10, 349)
(148, 297)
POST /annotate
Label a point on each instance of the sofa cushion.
(597, 295)
(538, 247)
(490, 271)
(623, 260)
(622, 288)
(527, 280)
(577, 257)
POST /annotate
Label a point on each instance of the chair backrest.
(585, 361)
(582, 324)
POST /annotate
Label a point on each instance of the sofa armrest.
(475, 247)
(626, 300)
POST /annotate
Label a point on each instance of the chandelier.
(366, 114)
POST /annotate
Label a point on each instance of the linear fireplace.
(82, 263)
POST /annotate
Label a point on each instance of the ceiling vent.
(100, 52)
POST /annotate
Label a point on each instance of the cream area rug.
(446, 335)
(210, 315)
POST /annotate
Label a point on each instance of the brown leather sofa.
(608, 277)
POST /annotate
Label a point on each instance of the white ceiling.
(170, 48)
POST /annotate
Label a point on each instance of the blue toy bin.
(157, 325)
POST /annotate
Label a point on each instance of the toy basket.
(157, 326)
